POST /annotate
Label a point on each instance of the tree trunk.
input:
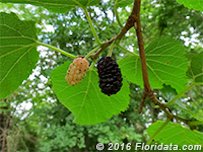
(4, 125)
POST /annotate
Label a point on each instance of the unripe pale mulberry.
(110, 76)
(77, 70)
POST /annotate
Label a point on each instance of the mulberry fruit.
(110, 76)
(77, 70)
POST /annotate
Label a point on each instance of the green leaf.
(166, 64)
(192, 4)
(18, 54)
(196, 68)
(174, 133)
(85, 100)
(124, 3)
(56, 5)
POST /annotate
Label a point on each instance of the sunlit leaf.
(174, 133)
(192, 4)
(56, 5)
(85, 100)
(166, 64)
(18, 54)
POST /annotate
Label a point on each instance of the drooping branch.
(147, 88)
(140, 42)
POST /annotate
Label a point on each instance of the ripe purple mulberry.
(110, 78)
(77, 70)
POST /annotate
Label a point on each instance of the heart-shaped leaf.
(85, 100)
(18, 55)
(166, 64)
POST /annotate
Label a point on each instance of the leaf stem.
(110, 52)
(78, 3)
(92, 65)
(116, 13)
(91, 26)
(56, 49)
(91, 52)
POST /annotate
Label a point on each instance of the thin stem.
(91, 26)
(56, 49)
(78, 3)
(92, 66)
(110, 52)
(116, 13)
(91, 52)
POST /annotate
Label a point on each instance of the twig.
(142, 102)
(162, 106)
(91, 52)
(130, 23)
(140, 42)
(116, 13)
(167, 111)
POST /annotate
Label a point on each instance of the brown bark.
(4, 125)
